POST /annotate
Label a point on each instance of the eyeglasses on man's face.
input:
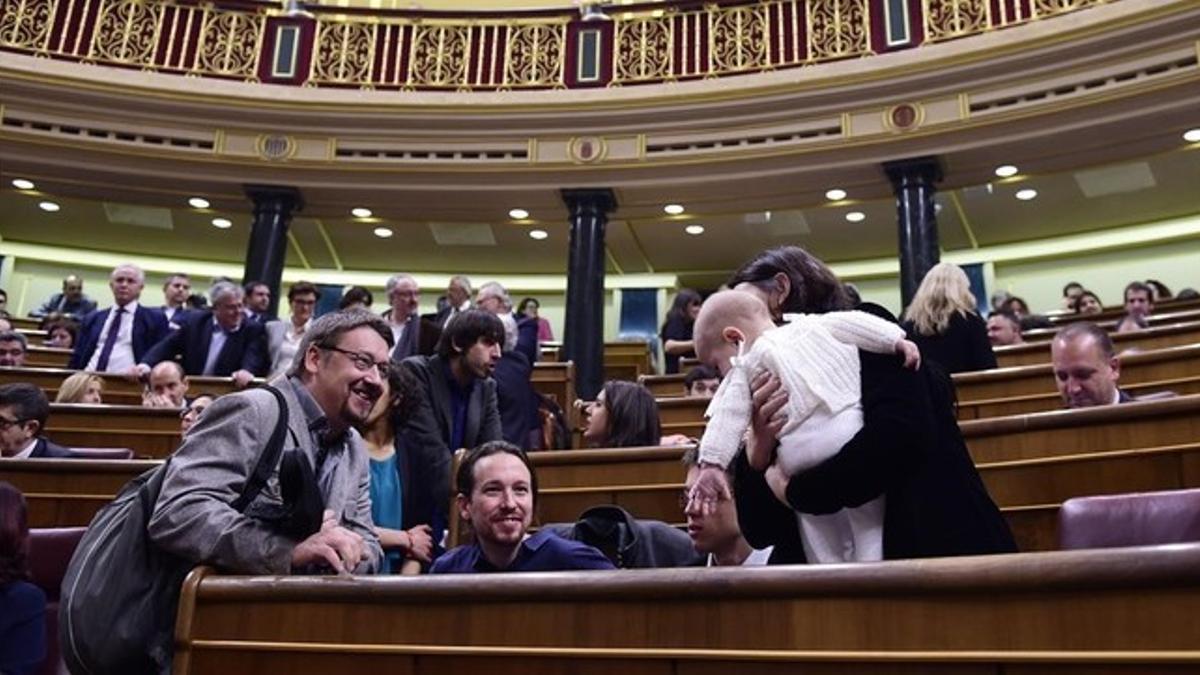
(6, 424)
(363, 362)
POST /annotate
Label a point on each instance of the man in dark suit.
(456, 405)
(414, 335)
(71, 302)
(221, 342)
(114, 340)
(494, 298)
(23, 412)
(458, 299)
(1086, 368)
(176, 290)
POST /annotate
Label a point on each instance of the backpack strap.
(269, 459)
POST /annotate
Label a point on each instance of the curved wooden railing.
(556, 49)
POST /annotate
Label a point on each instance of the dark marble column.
(265, 253)
(914, 182)
(583, 339)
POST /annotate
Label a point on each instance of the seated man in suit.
(167, 386)
(70, 302)
(1086, 368)
(497, 493)
(13, 347)
(23, 413)
(414, 334)
(220, 342)
(284, 336)
(114, 340)
(456, 407)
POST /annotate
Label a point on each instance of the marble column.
(914, 183)
(583, 338)
(267, 248)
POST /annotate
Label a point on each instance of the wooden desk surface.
(1155, 337)
(1129, 609)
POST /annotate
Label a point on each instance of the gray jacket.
(193, 517)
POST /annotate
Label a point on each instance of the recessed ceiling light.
(856, 216)
(694, 229)
(198, 203)
(673, 209)
(1192, 135)
(538, 234)
(22, 184)
(49, 207)
(383, 232)
(835, 195)
(360, 212)
(1006, 171)
(518, 214)
(223, 223)
(1026, 194)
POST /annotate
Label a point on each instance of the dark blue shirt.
(460, 398)
(22, 628)
(543, 552)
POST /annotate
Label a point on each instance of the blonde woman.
(943, 322)
(80, 388)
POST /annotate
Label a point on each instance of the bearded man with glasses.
(335, 380)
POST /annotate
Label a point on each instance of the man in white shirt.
(414, 335)
(113, 340)
(717, 534)
(283, 337)
(23, 412)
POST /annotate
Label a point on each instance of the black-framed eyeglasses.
(363, 362)
(6, 424)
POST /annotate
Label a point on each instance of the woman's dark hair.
(14, 536)
(67, 324)
(466, 328)
(1075, 306)
(632, 415)
(526, 303)
(405, 394)
(815, 289)
(679, 309)
(356, 295)
(1161, 292)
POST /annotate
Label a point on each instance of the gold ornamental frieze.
(414, 50)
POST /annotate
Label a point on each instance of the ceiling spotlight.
(1026, 194)
(360, 212)
(1006, 171)
(222, 223)
(198, 203)
(22, 184)
(856, 216)
(383, 232)
(1191, 136)
(49, 207)
(673, 209)
(538, 234)
(835, 195)
(694, 229)
(518, 214)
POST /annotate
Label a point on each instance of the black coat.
(909, 449)
(962, 347)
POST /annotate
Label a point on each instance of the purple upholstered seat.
(1136, 519)
(50, 550)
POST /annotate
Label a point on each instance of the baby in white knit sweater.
(815, 357)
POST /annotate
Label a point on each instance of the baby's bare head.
(728, 317)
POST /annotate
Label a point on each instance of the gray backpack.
(120, 592)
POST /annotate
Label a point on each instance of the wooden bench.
(1072, 432)
(68, 492)
(1149, 366)
(47, 357)
(117, 389)
(149, 432)
(1159, 318)
(36, 338)
(24, 323)
(1050, 401)
(1119, 610)
(1113, 312)
(1157, 337)
(623, 360)
(664, 386)
(557, 380)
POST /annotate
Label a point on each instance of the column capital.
(601, 200)
(918, 170)
(275, 196)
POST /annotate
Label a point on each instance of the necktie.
(111, 340)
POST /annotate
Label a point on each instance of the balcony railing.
(371, 49)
